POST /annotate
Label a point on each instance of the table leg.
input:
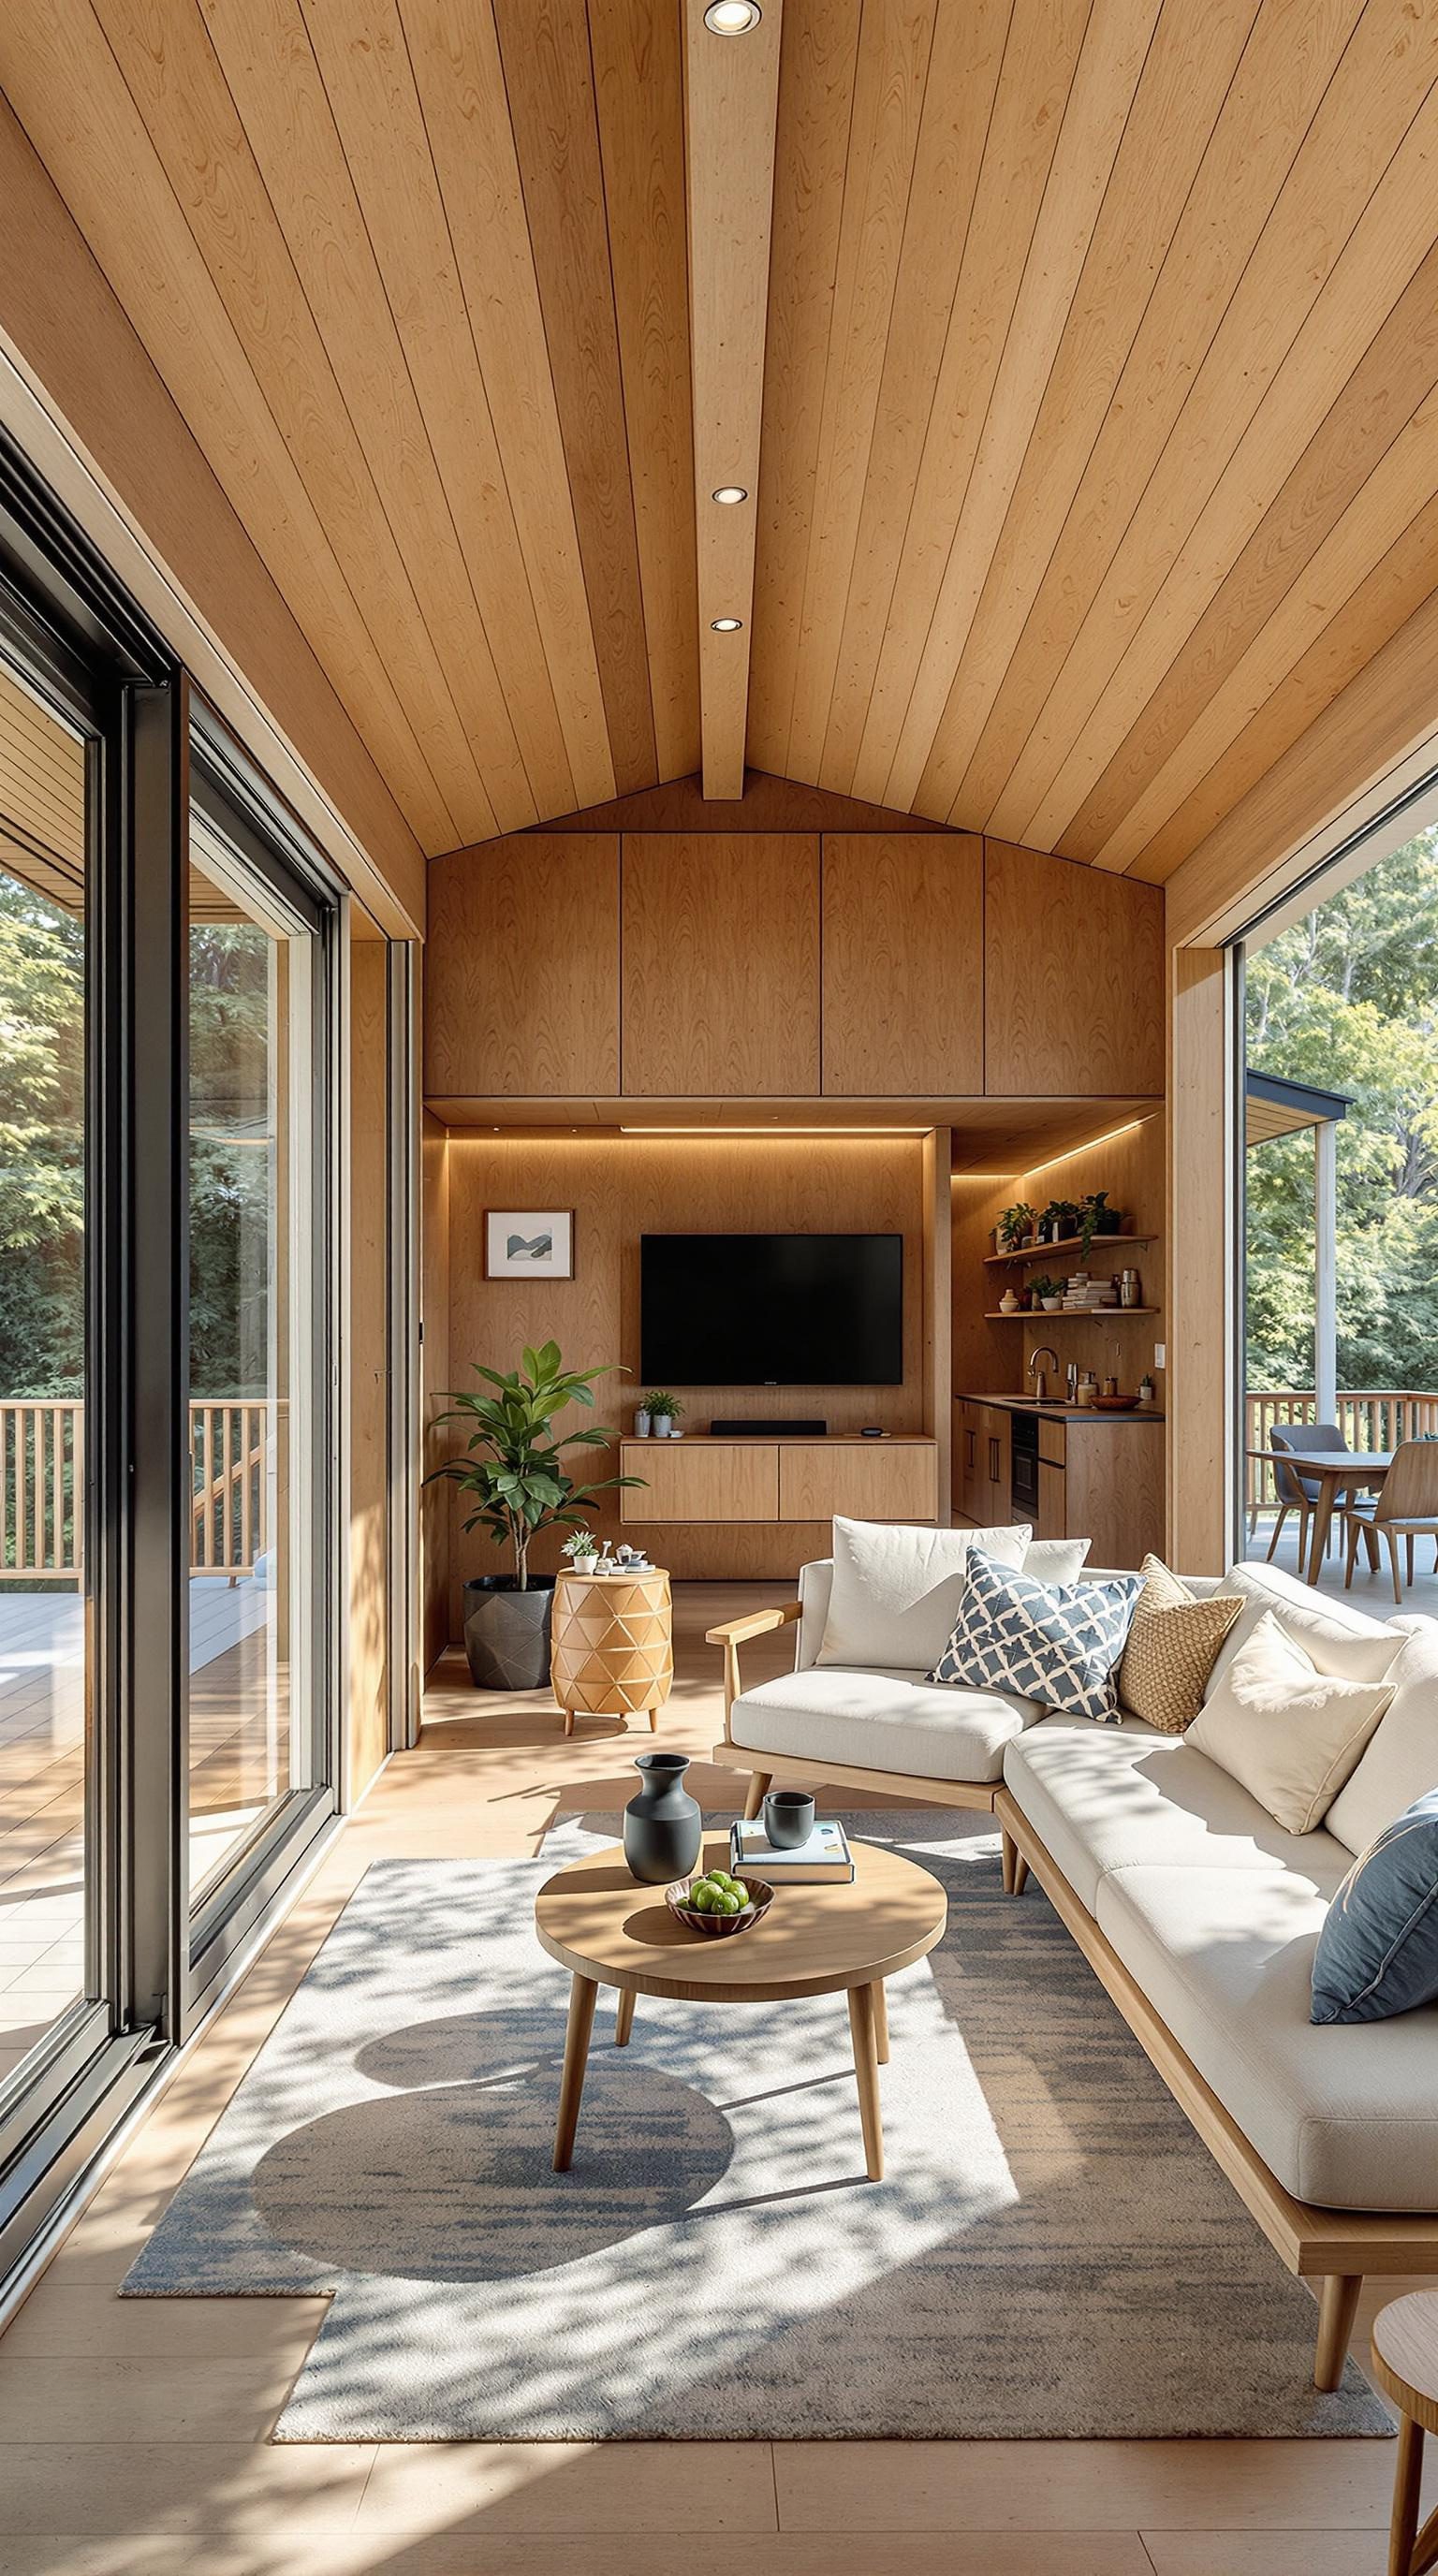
(1327, 1481)
(569, 1721)
(881, 2020)
(866, 2070)
(582, 1994)
(1407, 2480)
(623, 2019)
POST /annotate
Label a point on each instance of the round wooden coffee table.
(1405, 2365)
(612, 1645)
(608, 1931)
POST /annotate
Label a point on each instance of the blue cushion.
(1057, 1643)
(1378, 1950)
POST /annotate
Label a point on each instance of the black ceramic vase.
(663, 1829)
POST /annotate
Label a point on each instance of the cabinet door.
(521, 969)
(903, 973)
(721, 964)
(996, 1445)
(877, 1480)
(700, 1480)
(1073, 977)
(1053, 1496)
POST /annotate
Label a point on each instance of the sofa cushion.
(1057, 1643)
(1171, 1649)
(1056, 1560)
(896, 1589)
(1401, 1763)
(1290, 1731)
(1102, 1798)
(1339, 1638)
(1347, 2118)
(881, 1721)
(1378, 1949)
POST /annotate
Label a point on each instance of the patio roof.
(1276, 1107)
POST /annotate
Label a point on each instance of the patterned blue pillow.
(1377, 1953)
(1057, 1643)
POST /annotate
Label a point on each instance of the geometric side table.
(1405, 2365)
(612, 1650)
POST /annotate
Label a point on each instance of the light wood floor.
(133, 2435)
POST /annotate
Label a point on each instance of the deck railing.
(42, 1465)
(1371, 1419)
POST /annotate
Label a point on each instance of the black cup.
(788, 1818)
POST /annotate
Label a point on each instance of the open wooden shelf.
(1070, 1243)
(1074, 1314)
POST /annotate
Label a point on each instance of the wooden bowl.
(720, 1926)
(1115, 1403)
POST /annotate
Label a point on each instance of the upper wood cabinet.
(903, 963)
(721, 964)
(1073, 977)
(521, 968)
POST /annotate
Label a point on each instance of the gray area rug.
(1052, 2253)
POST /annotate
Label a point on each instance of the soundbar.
(768, 1430)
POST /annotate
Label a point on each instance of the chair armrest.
(755, 1623)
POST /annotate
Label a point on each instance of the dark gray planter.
(506, 1633)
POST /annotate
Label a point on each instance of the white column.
(1325, 1268)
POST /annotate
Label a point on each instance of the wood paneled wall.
(738, 965)
(434, 1313)
(622, 1187)
(993, 1358)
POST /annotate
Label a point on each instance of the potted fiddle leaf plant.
(519, 1486)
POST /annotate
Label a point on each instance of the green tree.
(42, 1171)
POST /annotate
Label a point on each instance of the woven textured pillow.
(1171, 1648)
(1054, 1643)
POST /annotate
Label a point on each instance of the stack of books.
(824, 1860)
(1084, 1296)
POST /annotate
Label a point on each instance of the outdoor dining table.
(1329, 1469)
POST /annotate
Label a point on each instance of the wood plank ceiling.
(1099, 398)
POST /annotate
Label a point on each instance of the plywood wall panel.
(903, 963)
(1073, 977)
(721, 964)
(522, 968)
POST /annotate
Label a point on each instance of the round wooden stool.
(1405, 2365)
(612, 1650)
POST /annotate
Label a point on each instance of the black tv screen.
(772, 1309)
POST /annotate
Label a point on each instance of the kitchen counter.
(1054, 1409)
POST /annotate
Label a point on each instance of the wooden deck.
(42, 1780)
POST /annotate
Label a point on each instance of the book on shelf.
(824, 1860)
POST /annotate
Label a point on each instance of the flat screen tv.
(772, 1309)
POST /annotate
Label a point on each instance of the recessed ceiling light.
(726, 625)
(732, 17)
(731, 492)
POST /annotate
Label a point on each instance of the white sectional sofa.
(1198, 1912)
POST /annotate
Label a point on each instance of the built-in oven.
(1024, 1465)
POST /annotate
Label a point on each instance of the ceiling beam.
(731, 99)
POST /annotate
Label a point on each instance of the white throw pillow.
(1339, 1638)
(896, 1590)
(1056, 1560)
(1401, 1764)
(1289, 1733)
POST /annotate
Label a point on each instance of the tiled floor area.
(133, 2435)
(42, 1774)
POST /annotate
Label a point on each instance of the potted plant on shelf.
(1015, 1227)
(519, 1488)
(1047, 1293)
(1059, 1221)
(664, 1411)
(1096, 1217)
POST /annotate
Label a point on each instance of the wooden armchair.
(731, 1636)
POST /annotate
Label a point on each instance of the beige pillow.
(1288, 1732)
(896, 1589)
(1171, 1648)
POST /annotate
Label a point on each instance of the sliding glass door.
(261, 957)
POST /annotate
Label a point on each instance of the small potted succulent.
(664, 1412)
(582, 1550)
(1047, 1293)
(1015, 1227)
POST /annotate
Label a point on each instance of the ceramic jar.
(663, 1829)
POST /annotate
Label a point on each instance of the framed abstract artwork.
(529, 1243)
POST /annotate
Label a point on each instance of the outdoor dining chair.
(1298, 1493)
(1406, 1508)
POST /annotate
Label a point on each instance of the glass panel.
(251, 1179)
(46, 1963)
